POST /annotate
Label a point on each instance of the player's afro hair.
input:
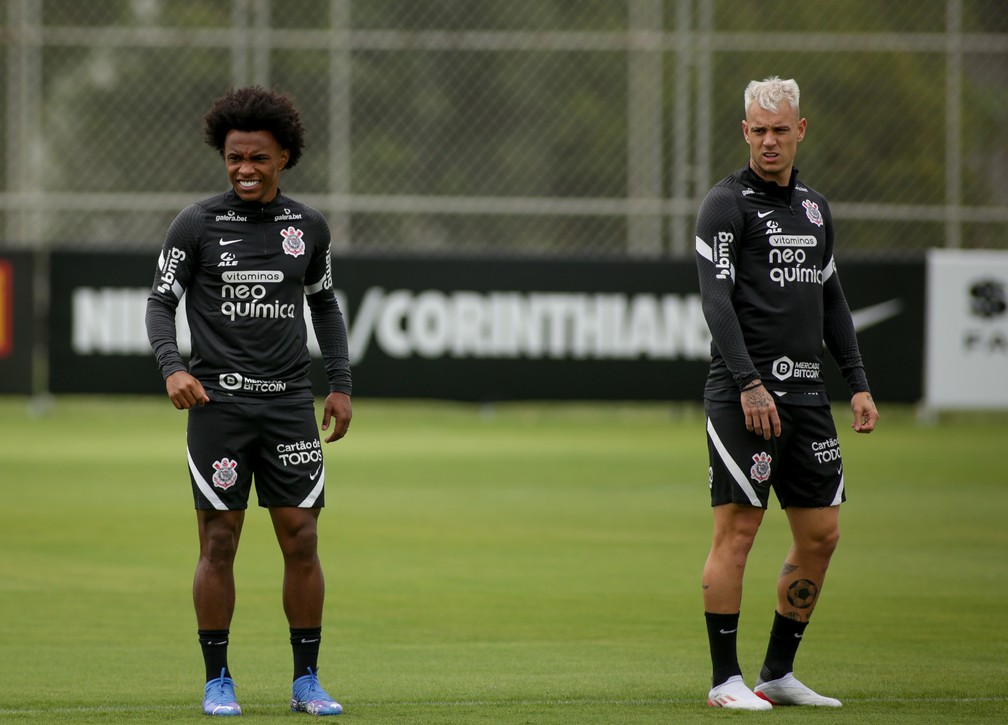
(255, 109)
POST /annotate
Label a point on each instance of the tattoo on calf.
(802, 593)
(788, 569)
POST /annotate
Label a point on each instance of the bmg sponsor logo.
(722, 254)
(785, 368)
(168, 267)
(327, 279)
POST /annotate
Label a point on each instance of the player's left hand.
(338, 411)
(865, 413)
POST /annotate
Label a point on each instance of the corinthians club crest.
(761, 468)
(225, 476)
(812, 212)
(293, 241)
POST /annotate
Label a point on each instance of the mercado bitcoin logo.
(6, 308)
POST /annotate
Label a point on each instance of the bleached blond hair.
(771, 92)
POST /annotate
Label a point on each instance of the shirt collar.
(770, 188)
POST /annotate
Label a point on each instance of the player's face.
(254, 160)
(773, 138)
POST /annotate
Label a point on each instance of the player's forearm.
(160, 323)
(330, 331)
(841, 337)
(728, 339)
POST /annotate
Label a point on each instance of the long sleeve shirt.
(770, 290)
(246, 270)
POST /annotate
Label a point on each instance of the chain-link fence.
(506, 127)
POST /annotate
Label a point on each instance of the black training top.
(246, 270)
(770, 290)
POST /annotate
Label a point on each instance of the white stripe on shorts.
(732, 466)
(838, 499)
(203, 486)
(309, 501)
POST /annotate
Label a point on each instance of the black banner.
(97, 339)
(887, 303)
(485, 330)
(504, 330)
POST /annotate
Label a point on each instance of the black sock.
(785, 636)
(214, 643)
(722, 633)
(305, 643)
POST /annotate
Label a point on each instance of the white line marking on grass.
(272, 704)
(642, 701)
(85, 710)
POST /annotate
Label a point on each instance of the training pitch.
(508, 564)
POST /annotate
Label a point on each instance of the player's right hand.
(185, 391)
(761, 415)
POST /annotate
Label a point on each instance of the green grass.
(514, 564)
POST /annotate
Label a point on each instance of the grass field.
(514, 564)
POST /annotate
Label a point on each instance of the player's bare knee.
(820, 546)
(300, 544)
(219, 547)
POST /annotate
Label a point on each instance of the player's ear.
(284, 157)
(802, 125)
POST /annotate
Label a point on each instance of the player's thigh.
(811, 472)
(290, 470)
(741, 463)
(220, 449)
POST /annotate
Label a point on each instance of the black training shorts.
(803, 465)
(230, 444)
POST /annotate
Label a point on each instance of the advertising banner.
(17, 323)
(886, 300)
(485, 330)
(967, 329)
(97, 339)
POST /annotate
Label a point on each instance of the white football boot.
(787, 690)
(735, 695)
